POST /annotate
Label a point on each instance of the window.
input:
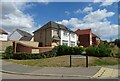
(72, 43)
(54, 32)
(65, 43)
(65, 33)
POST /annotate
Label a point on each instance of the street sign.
(79, 57)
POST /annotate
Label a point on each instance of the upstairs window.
(54, 32)
(65, 33)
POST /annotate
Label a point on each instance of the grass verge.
(64, 61)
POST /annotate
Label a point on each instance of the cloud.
(87, 9)
(108, 2)
(14, 18)
(67, 12)
(78, 11)
(98, 15)
(96, 20)
(99, 28)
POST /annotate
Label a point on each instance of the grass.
(63, 61)
(0, 56)
(106, 61)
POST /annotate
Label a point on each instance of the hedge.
(98, 52)
(24, 55)
(66, 50)
(57, 51)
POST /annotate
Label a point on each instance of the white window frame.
(65, 33)
(64, 42)
(72, 43)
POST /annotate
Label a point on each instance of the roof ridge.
(21, 32)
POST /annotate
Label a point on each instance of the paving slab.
(107, 73)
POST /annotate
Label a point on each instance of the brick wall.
(4, 45)
(84, 40)
(94, 42)
(26, 48)
(23, 46)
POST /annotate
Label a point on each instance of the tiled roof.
(85, 31)
(54, 25)
(3, 32)
(26, 36)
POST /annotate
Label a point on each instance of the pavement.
(92, 72)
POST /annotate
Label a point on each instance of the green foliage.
(104, 45)
(117, 42)
(8, 52)
(99, 52)
(57, 51)
(117, 55)
(24, 55)
(66, 50)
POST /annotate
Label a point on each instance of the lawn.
(64, 61)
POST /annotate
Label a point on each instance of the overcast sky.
(101, 17)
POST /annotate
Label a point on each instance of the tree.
(117, 42)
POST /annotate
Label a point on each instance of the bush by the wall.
(24, 56)
(8, 52)
(98, 52)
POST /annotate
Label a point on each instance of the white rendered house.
(54, 34)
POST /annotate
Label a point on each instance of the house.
(3, 35)
(20, 35)
(54, 34)
(87, 38)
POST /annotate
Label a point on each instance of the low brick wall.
(20, 47)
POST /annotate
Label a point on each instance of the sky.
(101, 17)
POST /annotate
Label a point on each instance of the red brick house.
(87, 38)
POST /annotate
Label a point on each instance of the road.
(14, 76)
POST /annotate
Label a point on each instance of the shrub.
(104, 45)
(66, 50)
(24, 56)
(117, 42)
(8, 52)
(117, 55)
(99, 52)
